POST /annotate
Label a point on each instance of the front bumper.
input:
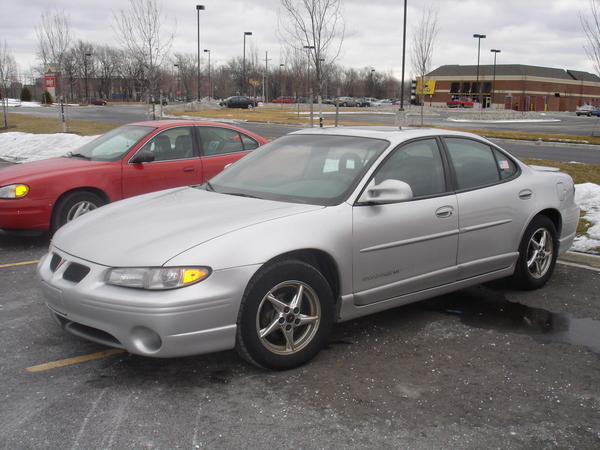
(193, 320)
(25, 214)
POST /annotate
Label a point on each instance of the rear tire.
(537, 254)
(285, 317)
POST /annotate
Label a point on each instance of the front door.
(405, 247)
(176, 163)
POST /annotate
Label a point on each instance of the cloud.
(538, 32)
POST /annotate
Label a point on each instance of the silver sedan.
(317, 227)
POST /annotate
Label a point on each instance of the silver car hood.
(151, 229)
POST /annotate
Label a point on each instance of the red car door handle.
(190, 169)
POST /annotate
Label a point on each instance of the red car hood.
(35, 170)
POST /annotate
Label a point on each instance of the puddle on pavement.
(502, 315)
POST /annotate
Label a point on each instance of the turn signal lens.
(14, 191)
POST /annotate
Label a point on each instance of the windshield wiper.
(238, 194)
(77, 155)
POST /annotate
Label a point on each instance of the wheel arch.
(321, 261)
(554, 216)
(83, 189)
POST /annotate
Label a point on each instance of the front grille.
(76, 272)
(55, 262)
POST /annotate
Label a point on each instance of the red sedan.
(284, 100)
(130, 160)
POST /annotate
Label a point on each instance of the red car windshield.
(113, 145)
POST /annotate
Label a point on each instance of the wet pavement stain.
(497, 313)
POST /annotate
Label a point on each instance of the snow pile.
(15, 102)
(23, 147)
(587, 196)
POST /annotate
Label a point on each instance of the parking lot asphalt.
(486, 367)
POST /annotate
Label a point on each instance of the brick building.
(514, 86)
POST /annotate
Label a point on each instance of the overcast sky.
(536, 32)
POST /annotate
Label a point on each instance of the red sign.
(49, 82)
(178, 92)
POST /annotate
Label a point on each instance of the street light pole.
(209, 75)
(198, 9)
(403, 57)
(479, 37)
(244, 81)
(495, 52)
(178, 76)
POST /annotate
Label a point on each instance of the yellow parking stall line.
(18, 264)
(76, 360)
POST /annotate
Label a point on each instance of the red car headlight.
(14, 191)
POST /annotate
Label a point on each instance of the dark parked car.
(238, 101)
(157, 101)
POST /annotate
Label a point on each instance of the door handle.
(525, 194)
(190, 169)
(444, 212)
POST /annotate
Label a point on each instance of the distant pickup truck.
(460, 103)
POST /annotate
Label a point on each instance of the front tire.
(537, 254)
(72, 206)
(285, 317)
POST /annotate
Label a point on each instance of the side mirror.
(143, 156)
(388, 191)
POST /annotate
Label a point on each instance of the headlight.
(14, 191)
(157, 278)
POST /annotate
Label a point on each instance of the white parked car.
(586, 110)
(317, 227)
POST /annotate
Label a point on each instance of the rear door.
(220, 146)
(494, 203)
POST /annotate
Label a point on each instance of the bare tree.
(55, 39)
(187, 74)
(317, 27)
(423, 42)
(8, 73)
(591, 27)
(142, 32)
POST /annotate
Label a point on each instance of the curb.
(581, 258)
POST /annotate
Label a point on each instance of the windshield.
(113, 145)
(313, 169)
